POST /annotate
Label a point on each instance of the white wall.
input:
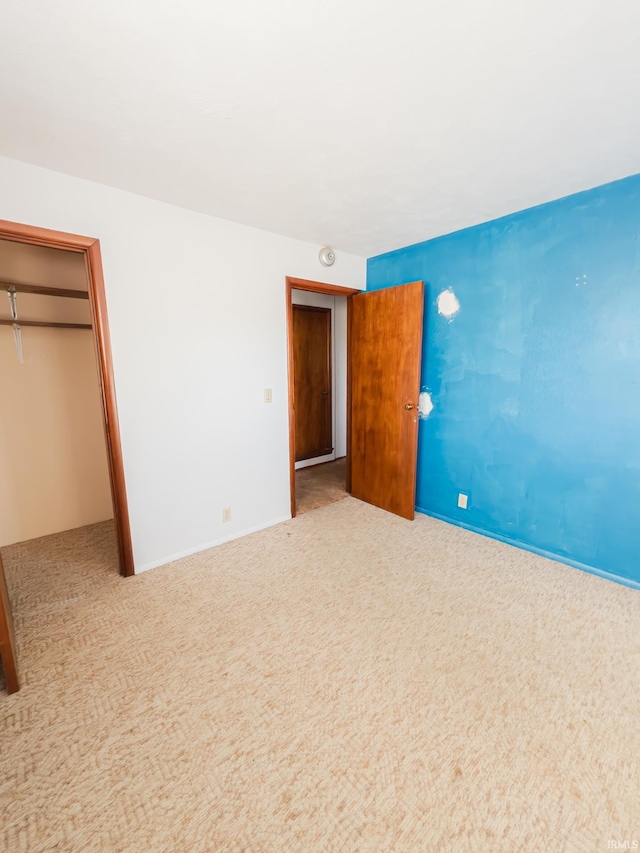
(338, 307)
(53, 455)
(198, 328)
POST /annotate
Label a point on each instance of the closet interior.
(54, 472)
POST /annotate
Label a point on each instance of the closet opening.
(61, 456)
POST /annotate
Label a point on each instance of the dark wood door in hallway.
(312, 381)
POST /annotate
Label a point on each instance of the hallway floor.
(320, 485)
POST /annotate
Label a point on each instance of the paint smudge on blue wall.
(425, 404)
(448, 304)
(537, 381)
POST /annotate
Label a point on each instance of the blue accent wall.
(535, 382)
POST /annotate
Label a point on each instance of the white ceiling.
(361, 124)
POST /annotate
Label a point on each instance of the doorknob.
(409, 406)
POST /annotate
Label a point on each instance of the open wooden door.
(385, 334)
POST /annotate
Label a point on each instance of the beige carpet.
(347, 681)
(319, 485)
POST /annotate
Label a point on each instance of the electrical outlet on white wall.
(462, 500)
(226, 514)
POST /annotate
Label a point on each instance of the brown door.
(386, 346)
(312, 381)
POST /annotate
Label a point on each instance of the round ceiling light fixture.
(327, 256)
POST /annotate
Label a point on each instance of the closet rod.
(44, 291)
(4, 322)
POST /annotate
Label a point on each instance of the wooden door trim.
(90, 248)
(319, 287)
(291, 284)
(8, 656)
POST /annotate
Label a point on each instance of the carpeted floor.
(319, 485)
(346, 681)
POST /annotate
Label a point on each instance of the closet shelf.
(10, 322)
